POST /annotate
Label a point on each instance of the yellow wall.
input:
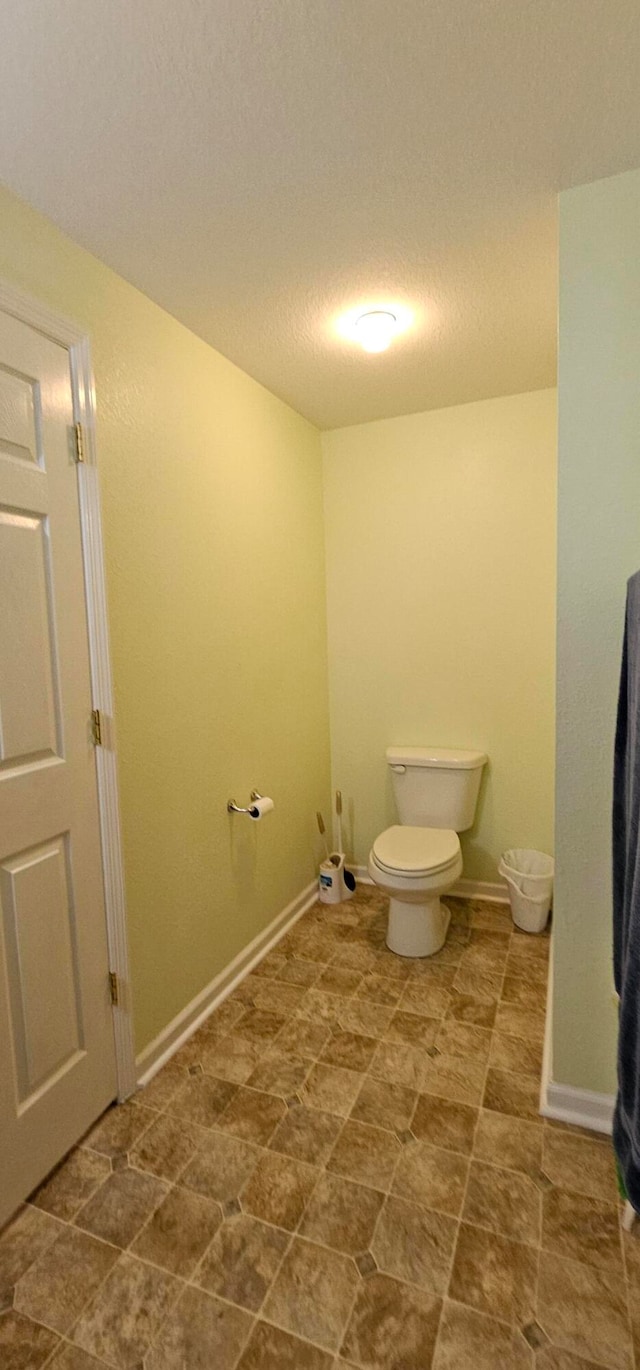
(211, 492)
(440, 536)
(599, 548)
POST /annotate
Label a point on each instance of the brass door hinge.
(79, 438)
(96, 726)
(114, 988)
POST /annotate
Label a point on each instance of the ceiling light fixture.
(375, 329)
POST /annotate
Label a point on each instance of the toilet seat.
(415, 852)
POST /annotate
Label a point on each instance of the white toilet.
(436, 793)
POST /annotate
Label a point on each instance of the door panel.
(57, 1060)
(42, 964)
(27, 709)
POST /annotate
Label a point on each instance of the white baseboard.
(463, 889)
(582, 1107)
(494, 892)
(182, 1027)
(566, 1103)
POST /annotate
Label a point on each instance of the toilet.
(416, 861)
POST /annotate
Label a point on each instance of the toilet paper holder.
(232, 807)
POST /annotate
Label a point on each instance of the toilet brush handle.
(321, 830)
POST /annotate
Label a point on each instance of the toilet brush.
(348, 877)
(322, 831)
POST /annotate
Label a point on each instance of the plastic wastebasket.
(529, 876)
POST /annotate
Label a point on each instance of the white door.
(57, 1059)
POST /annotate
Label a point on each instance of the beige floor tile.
(319, 1006)
(527, 993)
(220, 1167)
(482, 982)
(393, 1326)
(579, 1164)
(349, 1050)
(451, 1077)
(430, 1176)
(470, 1008)
(339, 980)
(164, 1086)
(494, 1275)
(463, 1039)
(584, 1310)
(527, 967)
(504, 1202)
(242, 1261)
(259, 1025)
(269, 1348)
(341, 1214)
(576, 1225)
(444, 1123)
(552, 1358)
(24, 1345)
(279, 1190)
(331, 1089)
(506, 1092)
(296, 972)
(252, 1116)
(119, 1128)
(202, 1332)
(425, 971)
(271, 966)
(414, 1244)
(399, 1064)
(201, 1099)
(22, 1241)
(304, 1038)
(366, 1154)
(279, 998)
(307, 1134)
(384, 1105)
(122, 1206)
(508, 1141)
(69, 1357)
(360, 1015)
(126, 1312)
(55, 1289)
(472, 1341)
(380, 989)
(515, 1021)
(313, 1293)
(423, 996)
(72, 1183)
(517, 1054)
(223, 1019)
(166, 1147)
(233, 1058)
(414, 1029)
(280, 1072)
(179, 1232)
(533, 946)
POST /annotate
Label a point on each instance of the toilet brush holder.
(331, 886)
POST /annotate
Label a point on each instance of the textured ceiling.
(260, 167)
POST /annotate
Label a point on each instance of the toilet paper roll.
(260, 807)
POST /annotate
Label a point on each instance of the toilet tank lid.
(441, 758)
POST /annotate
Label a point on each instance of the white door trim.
(72, 337)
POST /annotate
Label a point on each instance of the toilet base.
(417, 929)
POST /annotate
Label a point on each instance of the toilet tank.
(434, 787)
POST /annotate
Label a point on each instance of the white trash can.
(529, 876)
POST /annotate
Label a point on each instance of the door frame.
(76, 342)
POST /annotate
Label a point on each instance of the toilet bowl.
(415, 866)
(416, 861)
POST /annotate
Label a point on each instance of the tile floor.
(344, 1167)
